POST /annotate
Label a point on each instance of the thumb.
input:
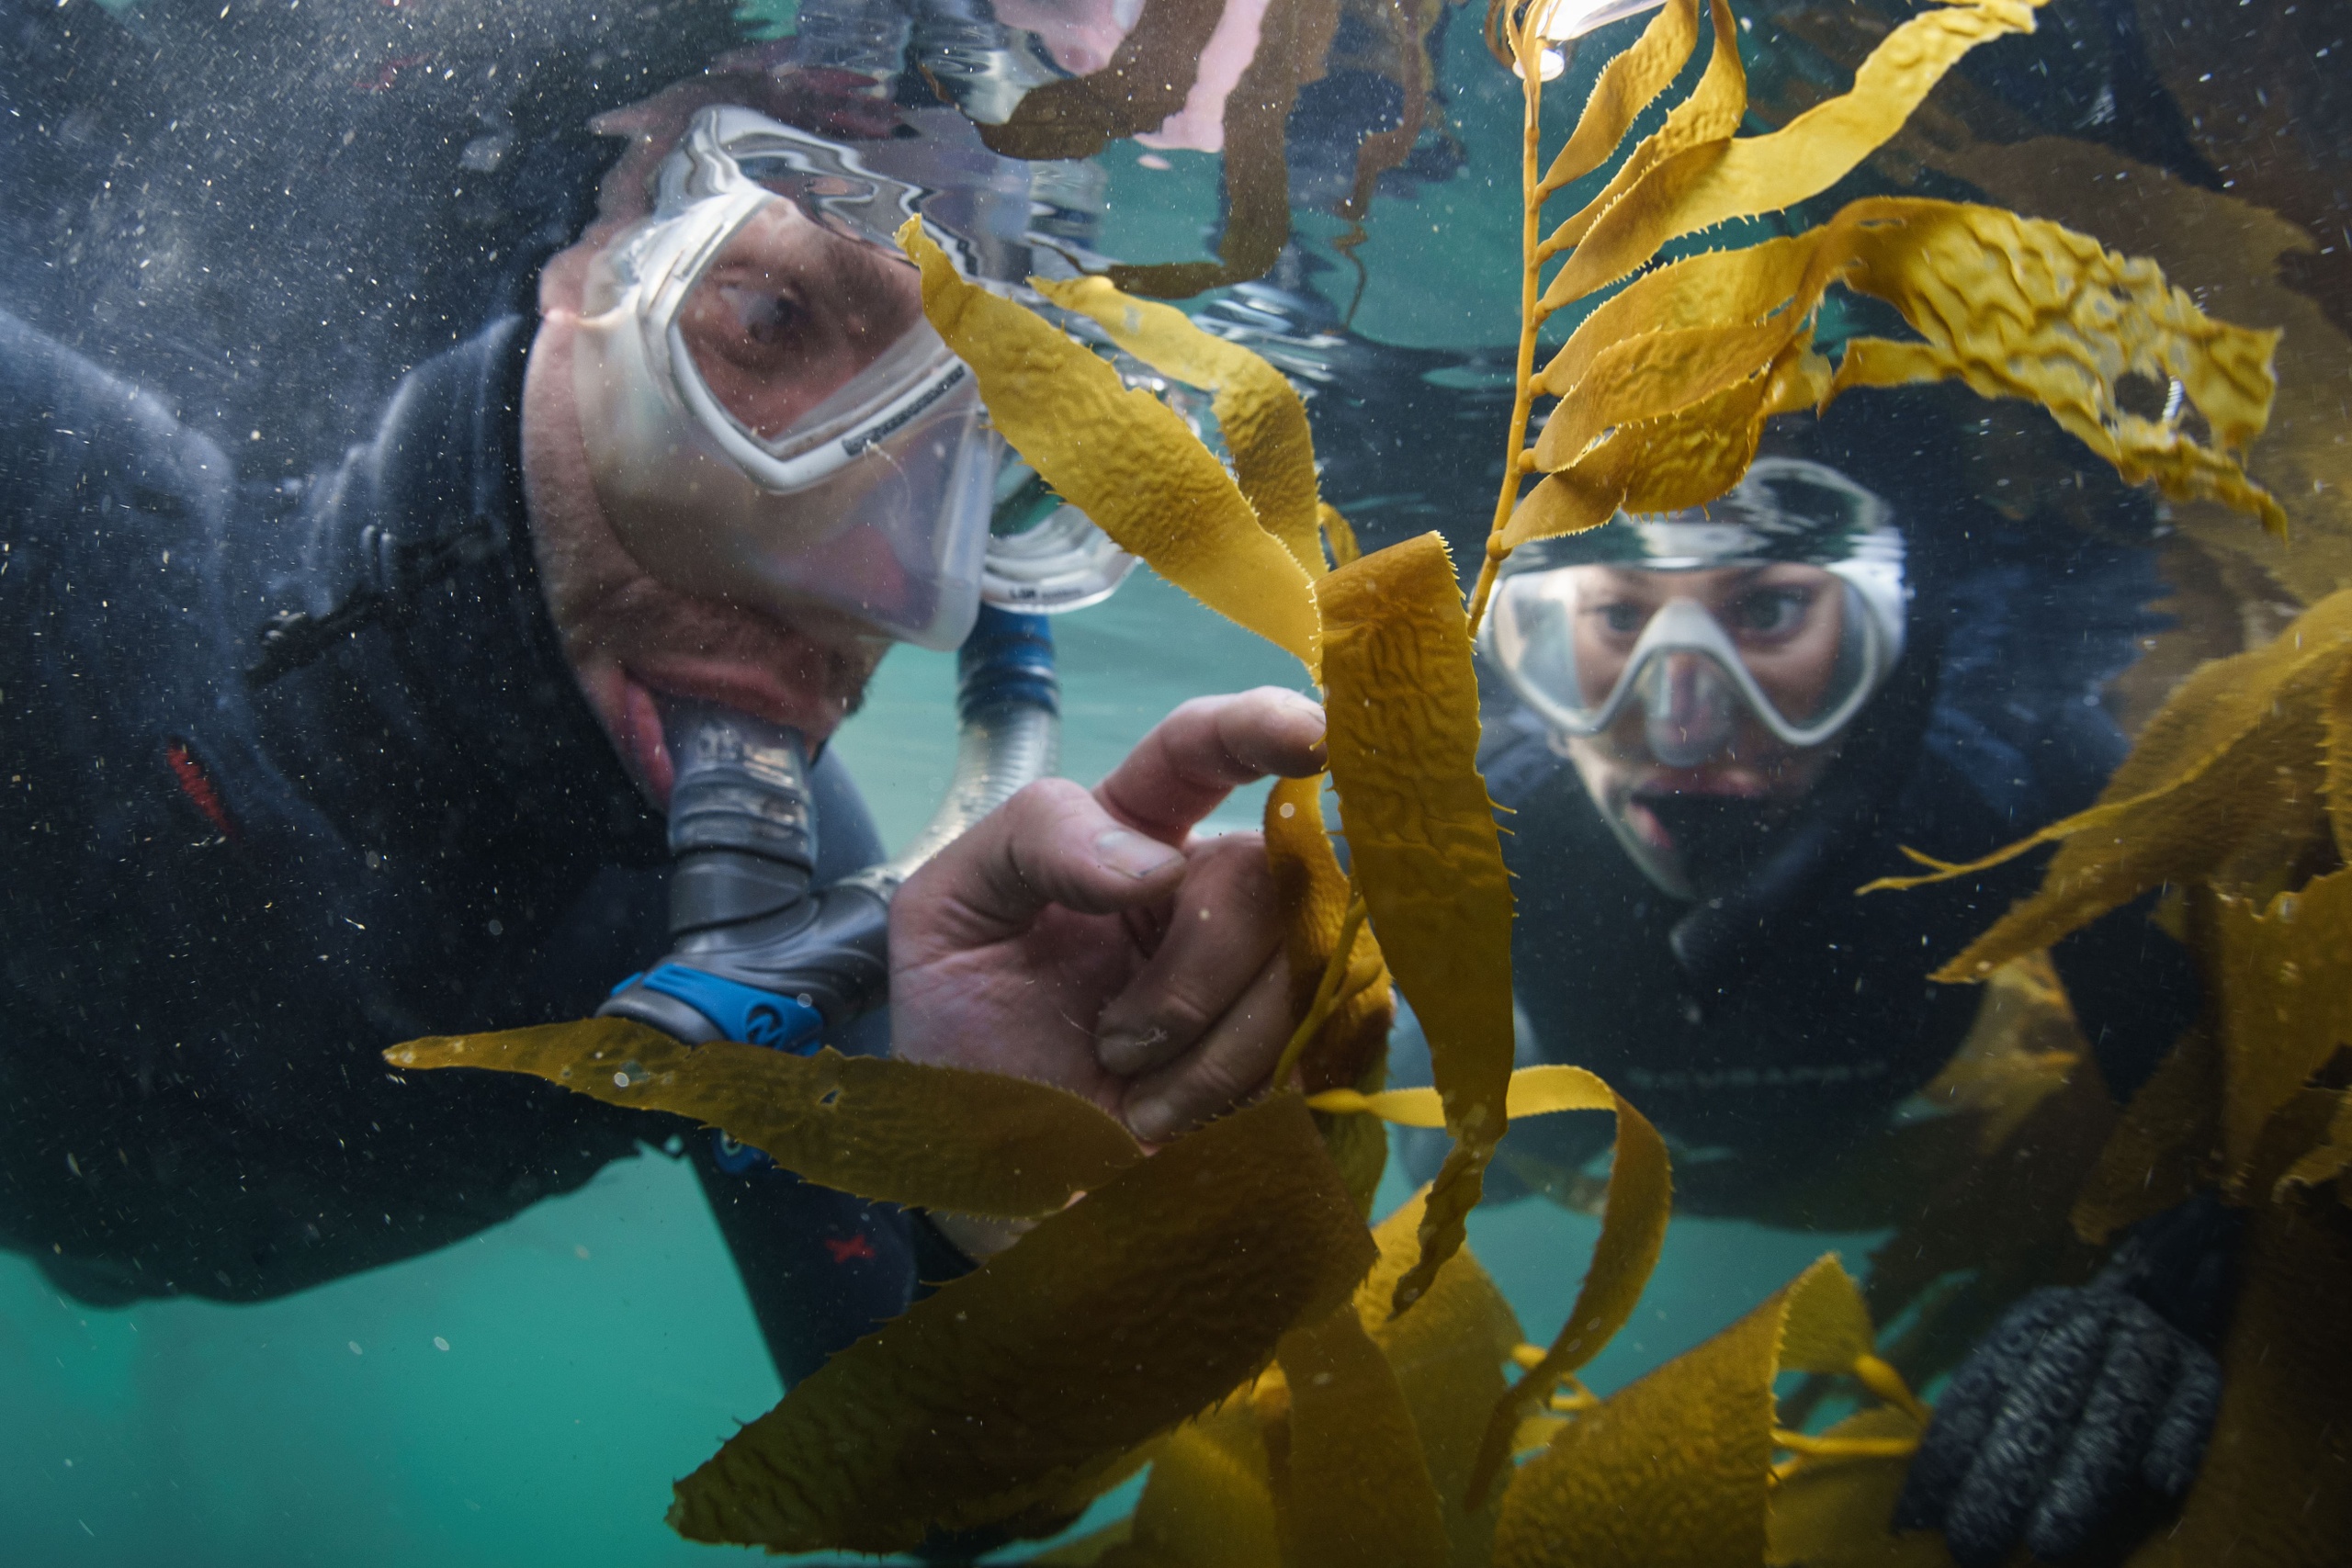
(1051, 843)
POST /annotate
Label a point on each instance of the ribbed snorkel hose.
(757, 953)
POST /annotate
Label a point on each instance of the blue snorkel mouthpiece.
(757, 953)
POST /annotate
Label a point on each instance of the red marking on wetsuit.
(856, 1246)
(196, 785)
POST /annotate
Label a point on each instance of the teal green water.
(528, 1396)
(600, 1345)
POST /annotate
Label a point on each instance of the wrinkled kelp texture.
(1632, 1230)
(1013, 1388)
(1676, 1471)
(1665, 388)
(936, 1137)
(1384, 634)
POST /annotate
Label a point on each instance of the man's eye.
(1623, 618)
(766, 319)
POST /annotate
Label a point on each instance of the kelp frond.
(1663, 390)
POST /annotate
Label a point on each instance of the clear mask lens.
(768, 417)
(1796, 649)
(1045, 556)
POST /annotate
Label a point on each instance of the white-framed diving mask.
(768, 417)
(1585, 627)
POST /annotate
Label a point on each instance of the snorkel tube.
(760, 954)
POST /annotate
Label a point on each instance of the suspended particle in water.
(439, 1343)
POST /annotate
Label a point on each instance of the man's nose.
(1690, 709)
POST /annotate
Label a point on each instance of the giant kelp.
(1214, 1311)
(1665, 388)
(1384, 634)
(2235, 795)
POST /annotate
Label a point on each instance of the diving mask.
(1784, 603)
(768, 416)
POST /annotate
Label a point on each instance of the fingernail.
(1132, 854)
(1152, 1120)
(1124, 1051)
(1305, 707)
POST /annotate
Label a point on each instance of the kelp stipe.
(1665, 388)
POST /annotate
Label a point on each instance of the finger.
(2037, 1421)
(1051, 843)
(1225, 925)
(1207, 748)
(2179, 1446)
(1971, 1403)
(1231, 1064)
(2096, 1471)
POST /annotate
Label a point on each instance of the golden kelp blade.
(1632, 1229)
(2323, 1162)
(1354, 1490)
(1686, 459)
(1714, 181)
(2165, 1147)
(2022, 309)
(2227, 773)
(1532, 1092)
(1208, 1503)
(1828, 1327)
(1674, 1471)
(1120, 457)
(1626, 86)
(1669, 1472)
(1708, 116)
(1403, 706)
(2283, 979)
(1263, 422)
(1105, 1325)
(936, 1137)
(1448, 1353)
(2336, 726)
(1351, 1047)
(1338, 538)
(1833, 1513)
(2014, 308)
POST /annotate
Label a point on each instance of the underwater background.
(526, 1395)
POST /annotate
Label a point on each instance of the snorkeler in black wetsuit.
(1711, 729)
(300, 768)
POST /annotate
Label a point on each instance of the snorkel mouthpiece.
(755, 954)
(741, 828)
(758, 952)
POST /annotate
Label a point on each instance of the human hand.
(2081, 1407)
(1084, 939)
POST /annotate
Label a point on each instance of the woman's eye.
(1771, 611)
(1622, 618)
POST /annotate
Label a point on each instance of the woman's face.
(1786, 622)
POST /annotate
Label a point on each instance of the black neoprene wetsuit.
(1768, 1026)
(225, 900)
